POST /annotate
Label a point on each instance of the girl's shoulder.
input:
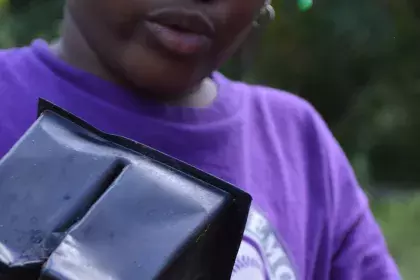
(275, 104)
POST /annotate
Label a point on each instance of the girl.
(144, 69)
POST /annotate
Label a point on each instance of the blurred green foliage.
(356, 61)
(398, 219)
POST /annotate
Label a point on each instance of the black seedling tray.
(79, 204)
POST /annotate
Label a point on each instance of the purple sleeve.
(359, 250)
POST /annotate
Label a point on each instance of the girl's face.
(163, 46)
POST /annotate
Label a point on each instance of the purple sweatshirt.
(309, 219)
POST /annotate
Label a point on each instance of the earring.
(267, 14)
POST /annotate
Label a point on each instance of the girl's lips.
(177, 40)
